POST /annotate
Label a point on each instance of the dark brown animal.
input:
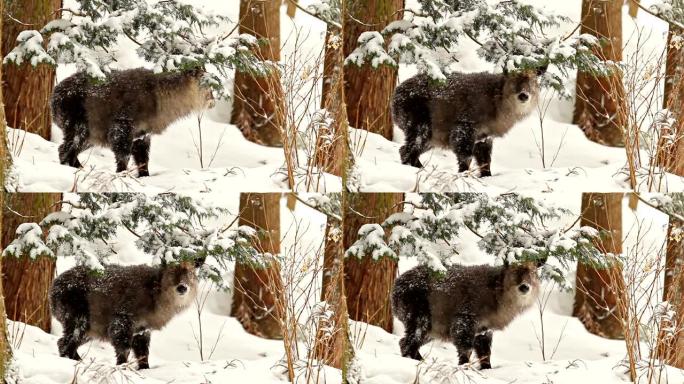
(119, 305)
(462, 306)
(463, 114)
(123, 111)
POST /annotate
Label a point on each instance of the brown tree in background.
(27, 88)
(368, 282)
(368, 91)
(258, 103)
(26, 281)
(256, 288)
(671, 146)
(672, 349)
(600, 109)
(597, 289)
(5, 160)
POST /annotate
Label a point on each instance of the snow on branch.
(510, 227)
(510, 34)
(173, 36)
(170, 227)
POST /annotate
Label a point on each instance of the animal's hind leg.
(462, 141)
(483, 348)
(141, 154)
(416, 335)
(75, 141)
(417, 139)
(121, 139)
(463, 334)
(141, 348)
(74, 336)
(483, 155)
(121, 335)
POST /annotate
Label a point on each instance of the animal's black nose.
(524, 288)
(523, 96)
(181, 289)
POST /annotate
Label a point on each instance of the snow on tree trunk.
(595, 295)
(258, 102)
(5, 352)
(334, 350)
(26, 281)
(368, 282)
(671, 147)
(672, 349)
(600, 109)
(256, 289)
(368, 90)
(332, 139)
(26, 88)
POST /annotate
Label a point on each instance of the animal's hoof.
(485, 365)
(485, 174)
(143, 366)
(143, 173)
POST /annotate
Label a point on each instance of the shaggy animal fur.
(463, 306)
(121, 112)
(464, 114)
(121, 306)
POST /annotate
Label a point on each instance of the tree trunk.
(369, 91)
(26, 281)
(257, 289)
(633, 7)
(27, 89)
(5, 162)
(671, 146)
(332, 142)
(596, 293)
(672, 349)
(600, 108)
(258, 103)
(334, 350)
(368, 282)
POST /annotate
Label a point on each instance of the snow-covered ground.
(229, 162)
(572, 355)
(571, 161)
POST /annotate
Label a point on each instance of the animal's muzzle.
(182, 289)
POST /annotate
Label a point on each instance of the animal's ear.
(505, 71)
(541, 262)
(200, 262)
(542, 70)
(163, 262)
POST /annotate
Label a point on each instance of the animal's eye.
(524, 288)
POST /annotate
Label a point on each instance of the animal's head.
(521, 282)
(522, 89)
(179, 281)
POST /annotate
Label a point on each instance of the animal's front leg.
(141, 348)
(121, 139)
(483, 348)
(483, 156)
(121, 335)
(462, 335)
(141, 154)
(462, 141)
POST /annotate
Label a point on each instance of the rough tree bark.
(258, 103)
(334, 350)
(256, 289)
(672, 349)
(332, 142)
(27, 89)
(368, 91)
(26, 281)
(671, 146)
(600, 109)
(368, 282)
(595, 296)
(5, 160)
